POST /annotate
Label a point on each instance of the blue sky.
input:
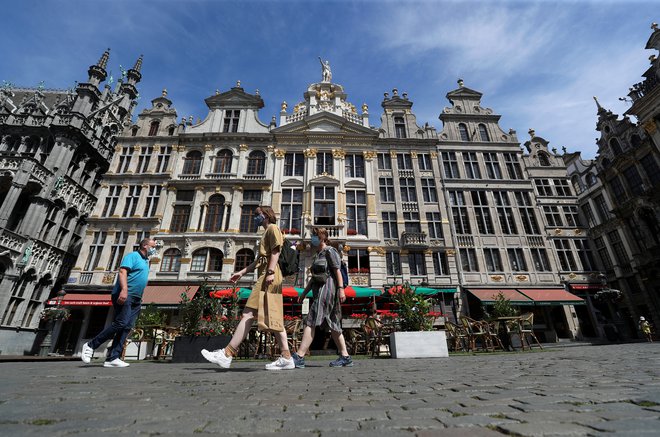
(538, 63)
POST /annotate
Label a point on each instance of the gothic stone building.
(55, 146)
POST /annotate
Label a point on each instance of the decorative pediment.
(324, 122)
(293, 183)
(235, 98)
(463, 93)
(355, 184)
(324, 179)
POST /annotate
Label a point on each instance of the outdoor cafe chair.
(356, 341)
(293, 333)
(377, 336)
(475, 331)
(456, 336)
(527, 329)
(492, 336)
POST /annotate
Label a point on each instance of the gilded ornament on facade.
(117, 148)
(283, 106)
(572, 275)
(208, 147)
(413, 155)
(393, 154)
(243, 147)
(376, 249)
(136, 148)
(310, 153)
(338, 153)
(171, 189)
(108, 278)
(434, 155)
(280, 153)
(558, 231)
(369, 155)
(496, 277)
(650, 127)
(450, 252)
(578, 232)
(237, 187)
(521, 278)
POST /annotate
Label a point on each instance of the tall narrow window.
(111, 200)
(354, 166)
(602, 209)
(471, 165)
(585, 255)
(440, 264)
(223, 161)
(603, 253)
(404, 161)
(180, 218)
(619, 193)
(251, 200)
(544, 161)
(492, 166)
(206, 260)
(428, 190)
(552, 216)
(616, 147)
(49, 223)
(231, 121)
(400, 127)
(153, 196)
(540, 259)
(358, 261)
(139, 236)
(153, 128)
(565, 255)
(393, 262)
(571, 215)
(424, 161)
(517, 260)
(463, 132)
(483, 132)
(651, 169)
(513, 169)
(294, 164)
(192, 163)
(214, 214)
(543, 187)
(527, 214)
(163, 159)
(450, 165)
(482, 212)
(356, 211)
(417, 264)
(562, 187)
(588, 214)
(117, 250)
(244, 258)
(505, 213)
(36, 299)
(411, 222)
(125, 156)
(384, 161)
(144, 158)
(171, 261)
(469, 260)
(95, 249)
(408, 190)
(256, 163)
(619, 251)
(324, 163)
(459, 213)
(634, 180)
(134, 131)
(434, 220)
(324, 206)
(390, 227)
(493, 260)
(291, 216)
(386, 189)
(132, 199)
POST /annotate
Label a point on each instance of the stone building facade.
(55, 146)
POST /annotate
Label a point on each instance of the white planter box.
(419, 344)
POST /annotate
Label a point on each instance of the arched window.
(192, 163)
(244, 258)
(483, 132)
(134, 131)
(214, 214)
(171, 261)
(616, 147)
(591, 179)
(543, 160)
(575, 180)
(206, 260)
(223, 162)
(400, 127)
(256, 163)
(170, 130)
(462, 130)
(153, 128)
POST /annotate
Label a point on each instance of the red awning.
(551, 296)
(167, 294)
(489, 295)
(83, 299)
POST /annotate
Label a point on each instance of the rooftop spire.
(597, 104)
(138, 63)
(103, 62)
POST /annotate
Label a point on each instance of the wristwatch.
(270, 272)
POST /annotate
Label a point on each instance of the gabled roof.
(464, 92)
(324, 122)
(234, 98)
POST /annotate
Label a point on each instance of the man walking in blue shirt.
(127, 302)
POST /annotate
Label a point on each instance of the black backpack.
(288, 261)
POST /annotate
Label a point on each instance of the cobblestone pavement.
(585, 390)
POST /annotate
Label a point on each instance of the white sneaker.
(217, 357)
(281, 364)
(87, 353)
(116, 363)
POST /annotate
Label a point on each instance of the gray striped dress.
(325, 309)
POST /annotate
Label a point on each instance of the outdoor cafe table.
(507, 321)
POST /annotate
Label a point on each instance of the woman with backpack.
(265, 301)
(326, 284)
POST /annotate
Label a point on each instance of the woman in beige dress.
(265, 301)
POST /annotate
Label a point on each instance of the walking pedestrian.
(327, 286)
(265, 301)
(645, 327)
(127, 301)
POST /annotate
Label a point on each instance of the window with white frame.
(543, 187)
(562, 187)
(450, 165)
(291, 216)
(424, 161)
(153, 196)
(552, 216)
(440, 264)
(404, 161)
(358, 261)
(386, 189)
(143, 159)
(125, 156)
(540, 259)
(132, 199)
(390, 226)
(215, 212)
(163, 159)
(526, 211)
(325, 163)
(117, 250)
(256, 164)
(434, 220)
(493, 260)
(400, 127)
(384, 161)
(171, 261)
(585, 254)
(324, 205)
(232, 117)
(408, 190)
(571, 215)
(393, 263)
(111, 200)
(459, 213)
(192, 163)
(223, 161)
(517, 260)
(294, 164)
(505, 213)
(354, 166)
(95, 250)
(417, 263)
(565, 255)
(482, 212)
(207, 259)
(471, 164)
(429, 192)
(411, 222)
(469, 260)
(512, 164)
(492, 166)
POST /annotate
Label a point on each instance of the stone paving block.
(555, 417)
(640, 426)
(544, 429)
(407, 424)
(336, 424)
(357, 414)
(459, 432)
(421, 413)
(461, 421)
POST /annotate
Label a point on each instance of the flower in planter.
(364, 270)
(291, 318)
(413, 309)
(608, 295)
(204, 315)
(294, 231)
(358, 316)
(352, 232)
(55, 313)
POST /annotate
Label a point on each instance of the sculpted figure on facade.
(326, 72)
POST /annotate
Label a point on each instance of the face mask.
(151, 251)
(316, 241)
(259, 220)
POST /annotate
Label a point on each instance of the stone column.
(372, 213)
(9, 203)
(132, 168)
(207, 160)
(235, 217)
(175, 166)
(195, 209)
(202, 219)
(153, 161)
(119, 209)
(114, 162)
(34, 217)
(142, 201)
(167, 212)
(84, 249)
(242, 163)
